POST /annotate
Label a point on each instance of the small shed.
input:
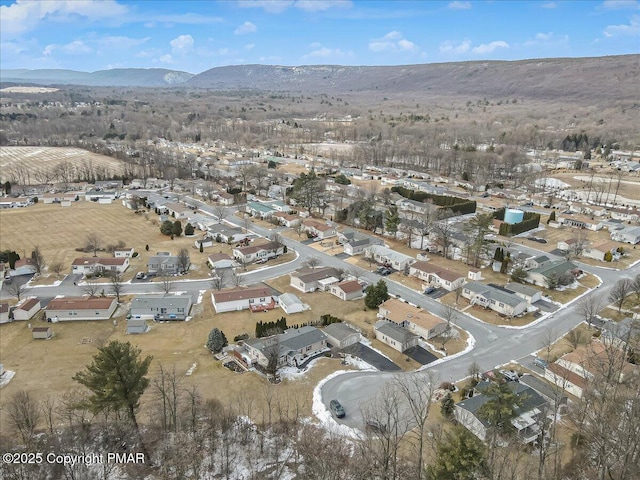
(44, 333)
(136, 325)
(474, 275)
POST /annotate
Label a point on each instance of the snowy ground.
(324, 415)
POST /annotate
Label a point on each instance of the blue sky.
(197, 35)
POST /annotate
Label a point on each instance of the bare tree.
(184, 260)
(93, 243)
(56, 267)
(589, 306)
(443, 231)
(38, 259)
(91, 288)
(236, 278)
(168, 388)
(299, 229)
(219, 280)
(165, 284)
(449, 315)
(220, 212)
(117, 285)
(24, 414)
(620, 292)
(16, 289)
(312, 262)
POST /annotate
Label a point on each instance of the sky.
(195, 36)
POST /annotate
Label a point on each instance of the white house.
(389, 257)
(340, 335)
(436, 276)
(25, 266)
(26, 309)
(161, 307)
(91, 265)
(627, 235)
(123, 252)
(294, 347)
(256, 252)
(599, 251)
(307, 279)
(221, 260)
(497, 299)
(287, 219)
(354, 242)
(319, 229)
(80, 308)
(395, 336)
(348, 290)
(256, 298)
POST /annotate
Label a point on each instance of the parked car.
(141, 276)
(429, 290)
(538, 362)
(510, 376)
(336, 408)
(261, 260)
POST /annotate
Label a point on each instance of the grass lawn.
(59, 231)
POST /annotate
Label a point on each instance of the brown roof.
(241, 293)
(4, 307)
(99, 260)
(40, 329)
(257, 248)
(24, 261)
(29, 304)
(349, 286)
(286, 216)
(323, 227)
(427, 267)
(312, 274)
(214, 257)
(595, 357)
(80, 303)
(400, 312)
(568, 375)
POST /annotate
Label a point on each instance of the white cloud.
(77, 47)
(224, 51)
(321, 5)
(166, 58)
(270, 59)
(184, 19)
(249, 46)
(457, 5)
(246, 27)
(315, 45)
(393, 41)
(450, 48)
(24, 16)
(489, 47)
(617, 4)
(631, 28)
(181, 44)
(548, 39)
(549, 5)
(120, 42)
(279, 6)
(324, 52)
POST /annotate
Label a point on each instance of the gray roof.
(313, 274)
(523, 289)
(164, 259)
(298, 338)
(558, 267)
(491, 292)
(393, 331)
(624, 330)
(223, 228)
(288, 299)
(161, 301)
(339, 330)
(548, 391)
(390, 254)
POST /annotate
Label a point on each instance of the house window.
(262, 299)
(181, 310)
(308, 348)
(501, 305)
(97, 313)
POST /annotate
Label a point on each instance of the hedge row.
(459, 206)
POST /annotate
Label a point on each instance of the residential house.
(252, 253)
(224, 198)
(4, 312)
(526, 422)
(26, 309)
(395, 336)
(178, 210)
(407, 205)
(354, 242)
(123, 252)
(579, 221)
(101, 196)
(290, 303)
(24, 266)
(13, 202)
(80, 308)
(226, 233)
(536, 262)
(340, 335)
(221, 260)
(623, 333)
(256, 298)
(163, 263)
(293, 347)
(627, 235)
(41, 333)
(543, 274)
(287, 219)
(527, 293)
(259, 210)
(389, 257)
(626, 215)
(204, 242)
(321, 230)
(306, 279)
(599, 251)
(414, 319)
(437, 276)
(4, 273)
(497, 299)
(278, 206)
(161, 307)
(348, 290)
(93, 265)
(201, 222)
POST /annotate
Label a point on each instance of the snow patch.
(324, 416)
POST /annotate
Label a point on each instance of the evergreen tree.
(166, 228)
(177, 228)
(460, 455)
(188, 229)
(376, 294)
(392, 220)
(217, 340)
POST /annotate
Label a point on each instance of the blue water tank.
(513, 215)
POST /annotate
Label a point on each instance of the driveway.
(546, 306)
(372, 357)
(420, 355)
(342, 256)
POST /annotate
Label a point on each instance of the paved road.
(493, 345)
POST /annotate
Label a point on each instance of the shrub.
(242, 336)
(135, 254)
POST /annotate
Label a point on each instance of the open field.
(59, 231)
(35, 161)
